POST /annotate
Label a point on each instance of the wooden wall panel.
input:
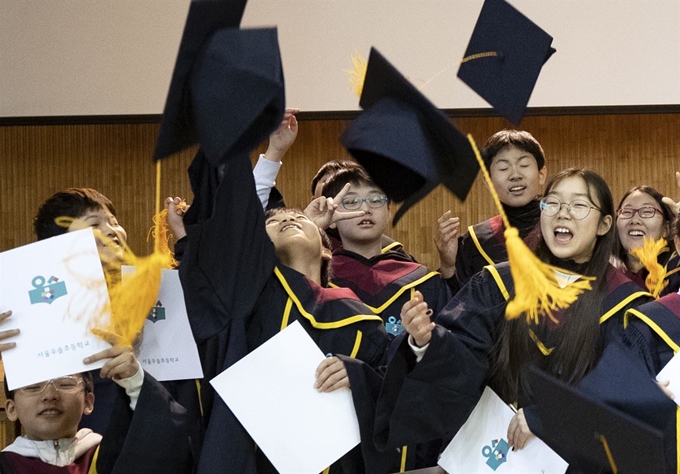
(116, 159)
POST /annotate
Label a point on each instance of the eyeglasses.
(374, 201)
(579, 209)
(646, 212)
(70, 384)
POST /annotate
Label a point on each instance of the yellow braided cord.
(472, 57)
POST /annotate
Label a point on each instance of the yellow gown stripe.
(471, 231)
(404, 454)
(357, 345)
(499, 281)
(389, 247)
(546, 351)
(200, 402)
(655, 327)
(310, 317)
(286, 314)
(623, 303)
(93, 466)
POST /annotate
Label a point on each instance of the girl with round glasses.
(641, 215)
(471, 345)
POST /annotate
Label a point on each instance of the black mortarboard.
(591, 432)
(504, 58)
(406, 144)
(227, 89)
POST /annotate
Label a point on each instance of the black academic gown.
(386, 281)
(238, 296)
(656, 325)
(484, 242)
(151, 439)
(434, 397)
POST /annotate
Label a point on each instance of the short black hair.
(520, 139)
(73, 202)
(356, 175)
(329, 168)
(86, 376)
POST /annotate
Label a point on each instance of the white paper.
(168, 350)
(53, 287)
(271, 392)
(671, 372)
(480, 446)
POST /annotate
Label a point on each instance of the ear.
(604, 225)
(326, 254)
(676, 242)
(542, 174)
(88, 407)
(11, 410)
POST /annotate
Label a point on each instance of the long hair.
(666, 213)
(577, 347)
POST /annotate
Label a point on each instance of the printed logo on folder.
(497, 453)
(157, 313)
(46, 292)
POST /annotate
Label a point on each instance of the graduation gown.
(238, 296)
(386, 281)
(484, 242)
(434, 397)
(657, 325)
(151, 439)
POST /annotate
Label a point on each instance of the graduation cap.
(404, 142)
(591, 430)
(227, 88)
(504, 58)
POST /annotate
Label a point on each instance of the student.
(516, 163)
(147, 434)
(641, 215)
(87, 207)
(245, 278)
(382, 279)
(444, 365)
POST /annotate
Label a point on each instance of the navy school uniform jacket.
(434, 397)
(238, 295)
(386, 281)
(151, 439)
(484, 242)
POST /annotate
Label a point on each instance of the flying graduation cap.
(404, 142)
(504, 58)
(227, 89)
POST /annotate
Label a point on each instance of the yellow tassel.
(358, 73)
(537, 291)
(648, 255)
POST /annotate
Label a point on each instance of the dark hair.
(520, 139)
(329, 168)
(577, 347)
(355, 175)
(86, 376)
(326, 269)
(73, 202)
(666, 213)
(675, 228)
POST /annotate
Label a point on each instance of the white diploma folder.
(168, 350)
(671, 372)
(54, 287)
(480, 446)
(271, 392)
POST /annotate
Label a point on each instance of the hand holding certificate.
(52, 288)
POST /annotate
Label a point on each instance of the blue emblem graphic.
(497, 453)
(394, 326)
(46, 292)
(157, 313)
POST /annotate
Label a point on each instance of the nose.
(50, 392)
(564, 210)
(515, 173)
(289, 219)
